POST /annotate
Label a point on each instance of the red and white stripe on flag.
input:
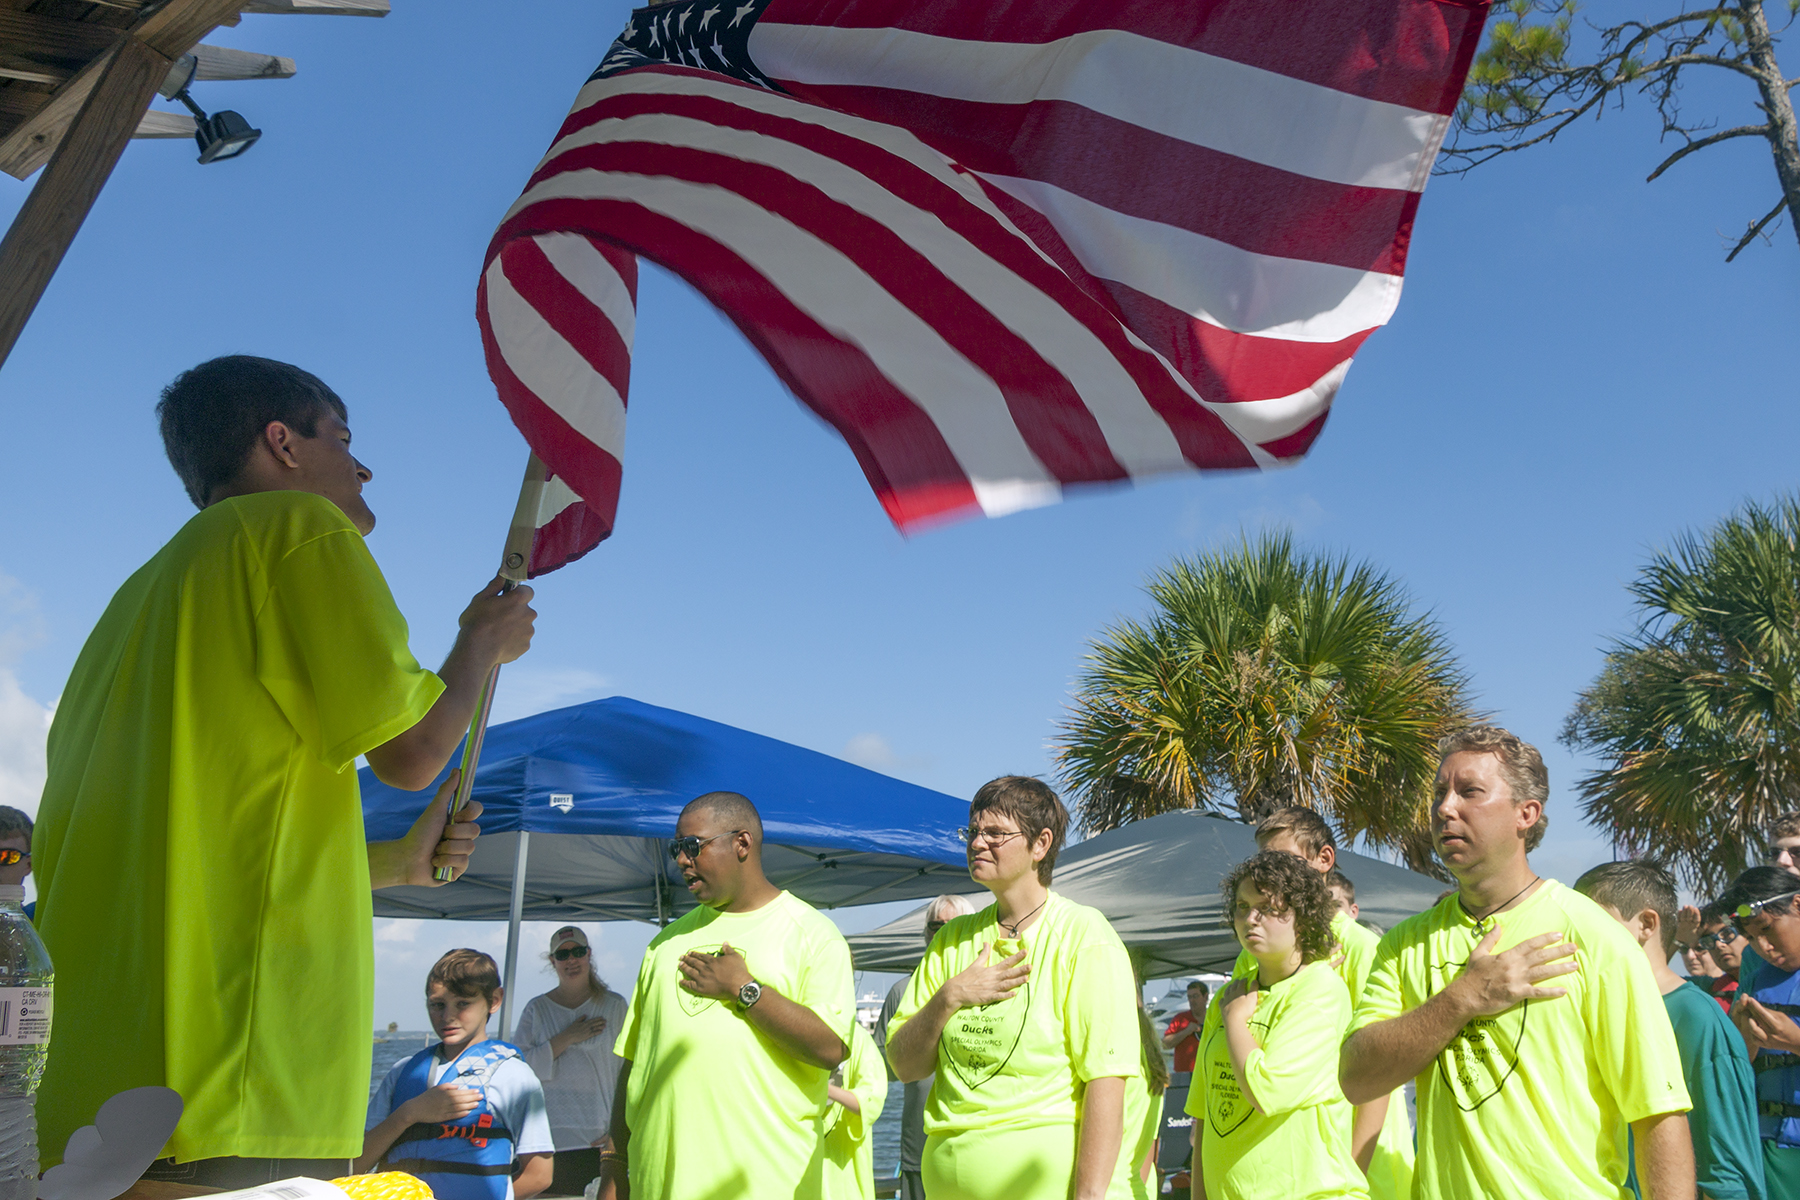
(1003, 248)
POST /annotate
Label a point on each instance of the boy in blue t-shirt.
(1728, 1156)
(466, 1115)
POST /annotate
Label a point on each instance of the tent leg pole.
(512, 934)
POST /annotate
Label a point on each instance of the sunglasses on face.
(1747, 912)
(568, 952)
(9, 857)
(1707, 943)
(689, 847)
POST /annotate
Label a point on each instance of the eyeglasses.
(689, 847)
(1718, 937)
(993, 837)
(568, 952)
(9, 857)
(932, 927)
(1754, 909)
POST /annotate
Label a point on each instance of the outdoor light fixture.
(225, 134)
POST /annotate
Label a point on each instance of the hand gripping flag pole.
(515, 566)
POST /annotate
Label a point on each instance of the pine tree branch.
(1757, 228)
(1703, 143)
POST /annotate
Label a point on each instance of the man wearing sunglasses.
(15, 850)
(1765, 908)
(912, 1112)
(743, 1007)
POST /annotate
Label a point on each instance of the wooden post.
(60, 201)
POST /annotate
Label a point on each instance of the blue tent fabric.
(606, 782)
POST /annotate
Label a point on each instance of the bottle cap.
(12, 891)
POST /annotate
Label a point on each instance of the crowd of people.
(200, 821)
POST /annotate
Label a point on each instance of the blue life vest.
(467, 1159)
(1778, 1072)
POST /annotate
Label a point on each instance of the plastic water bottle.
(25, 982)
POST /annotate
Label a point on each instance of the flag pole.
(515, 567)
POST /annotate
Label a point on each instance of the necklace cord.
(1014, 925)
(1495, 911)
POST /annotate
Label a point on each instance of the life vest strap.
(1792, 1010)
(432, 1132)
(1767, 1061)
(434, 1166)
(1778, 1108)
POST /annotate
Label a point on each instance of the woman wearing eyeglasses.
(1025, 1012)
(1273, 1123)
(567, 1035)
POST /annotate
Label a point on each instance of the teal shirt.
(1728, 1161)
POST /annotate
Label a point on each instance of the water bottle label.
(24, 1016)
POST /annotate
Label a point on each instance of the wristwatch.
(749, 994)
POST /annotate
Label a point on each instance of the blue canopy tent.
(579, 804)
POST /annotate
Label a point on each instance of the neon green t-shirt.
(714, 1107)
(1021, 1065)
(1298, 1147)
(1534, 1102)
(1390, 1169)
(1024, 1061)
(849, 1150)
(201, 824)
(1143, 1121)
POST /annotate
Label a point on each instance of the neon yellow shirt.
(849, 1149)
(1298, 1146)
(1143, 1121)
(1535, 1102)
(714, 1107)
(201, 822)
(1010, 1069)
(1390, 1169)
(1024, 1061)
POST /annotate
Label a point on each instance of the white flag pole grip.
(515, 566)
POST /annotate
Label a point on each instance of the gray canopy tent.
(1157, 881)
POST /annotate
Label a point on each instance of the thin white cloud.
(870, 750)
(525, 690)
(24, 725)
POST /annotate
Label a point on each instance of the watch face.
(750, 993)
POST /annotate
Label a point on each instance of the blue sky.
(1574, 375)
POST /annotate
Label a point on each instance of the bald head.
(728, 810)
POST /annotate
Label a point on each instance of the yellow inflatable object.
(385, 1185)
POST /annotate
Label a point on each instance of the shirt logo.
(978, 1042)
(691, 1004)
(1226, 1108)
(1484, 1054)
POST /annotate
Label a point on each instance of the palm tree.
(1266, 677)
(1698, 713)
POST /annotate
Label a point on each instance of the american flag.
(1003, 248)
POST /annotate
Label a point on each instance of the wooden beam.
(29, 35)
(59, 203)
(159, 124)
(220, 62)
(170, 30)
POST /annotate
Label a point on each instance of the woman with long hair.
(1274, 1122)
(567, 1036)
(1024, 1011)
(1135, 1178)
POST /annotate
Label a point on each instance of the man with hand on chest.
(1526, 1014)
(742, 1009)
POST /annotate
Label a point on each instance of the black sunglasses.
(568, 952)
(689, 847)
(9, 857)
(1706, 943)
